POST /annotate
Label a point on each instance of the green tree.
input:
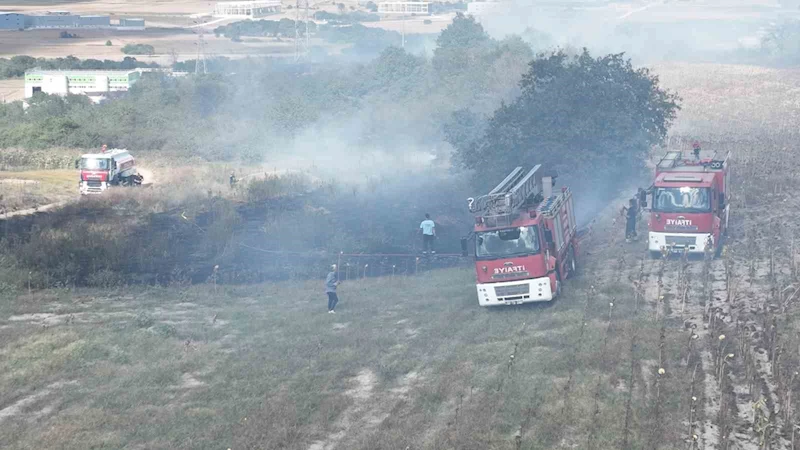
(461, 47)
(586, 117)
(393, 65)
(782, 43)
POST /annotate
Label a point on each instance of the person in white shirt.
(428, 230)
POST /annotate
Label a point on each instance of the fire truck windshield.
(94, 163)
(682, 200)
(507, 242)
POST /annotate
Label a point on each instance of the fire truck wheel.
(558, 286)
(718, 249)
(572, 265)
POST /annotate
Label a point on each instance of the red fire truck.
(99, 171)
(690, 208)
(525, 239)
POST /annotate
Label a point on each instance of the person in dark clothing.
(631, 213)
(331, 281)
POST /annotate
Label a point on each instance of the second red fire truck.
(690, 203)
(526, 241)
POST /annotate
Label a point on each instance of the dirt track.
(149, 180)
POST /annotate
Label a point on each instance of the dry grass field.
(170, 45)
(12, 90)
(118, 7)
(31, 189)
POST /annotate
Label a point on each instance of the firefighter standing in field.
(631, 212)
(428, 230)
(331, 282)
(233, 180)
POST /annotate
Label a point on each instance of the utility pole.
(297, 30)
(201, 55)
(298, 51)
(404, 31)
(307, 37)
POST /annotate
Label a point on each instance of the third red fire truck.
(690, 204)
(526, 241)
(99, 171)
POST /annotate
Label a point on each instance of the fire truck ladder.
(675, 158)
(510, 194)
(670, 160)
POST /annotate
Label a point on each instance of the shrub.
(138, 49)
(108, 43)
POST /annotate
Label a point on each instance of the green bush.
(138, 49)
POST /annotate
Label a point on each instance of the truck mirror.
(721, 200)
(77, 163)
(464, 251)
(548, 236)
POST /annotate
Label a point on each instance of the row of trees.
(16, 66)
(272, 28)
(340, 29)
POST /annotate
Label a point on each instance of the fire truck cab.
(690, 207)
(525, 239)
(108, 168)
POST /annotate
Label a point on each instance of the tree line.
(16, 66)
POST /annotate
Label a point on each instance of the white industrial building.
(131, 24)
(95, 84)
(60, 20)
(416, 8)
(247, 10)
(64, 20)
(478, 9)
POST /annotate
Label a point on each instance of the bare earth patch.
(17, 407)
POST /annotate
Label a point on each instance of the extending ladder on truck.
(511, 194)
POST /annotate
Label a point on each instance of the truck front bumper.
(515, 292)
(678, 242)
(92, 187)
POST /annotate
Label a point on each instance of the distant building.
(94, 21)
(11, 21)
(131, 24)
(95, 84)
(247, 10)
(480, 9)
(65, 20)
(416, 8)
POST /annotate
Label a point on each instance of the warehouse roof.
(78, 72)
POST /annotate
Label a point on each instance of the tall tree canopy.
(588, 118)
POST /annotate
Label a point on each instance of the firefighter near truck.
(99, 171)
(690, 203)
(525, 239)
